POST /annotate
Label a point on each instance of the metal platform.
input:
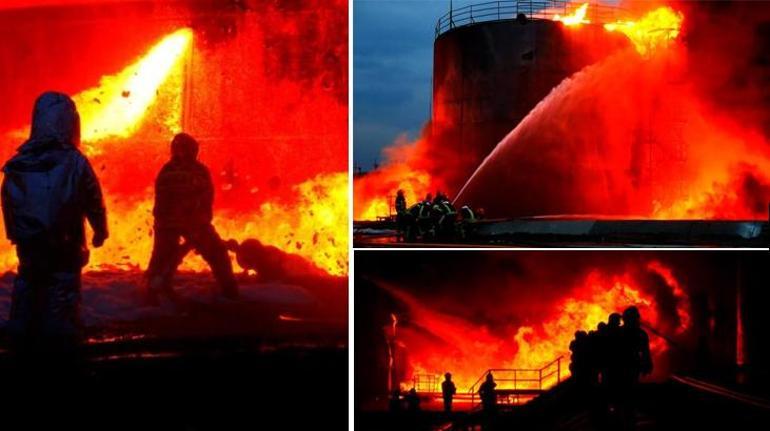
(575, 232)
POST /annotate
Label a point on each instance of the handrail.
(429, 380)
(541, 377)
(533, 9)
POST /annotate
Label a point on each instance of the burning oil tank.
(493, 62)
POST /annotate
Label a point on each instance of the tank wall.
(488, 76)
(250, 70)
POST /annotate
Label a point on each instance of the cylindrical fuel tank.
(487, 76)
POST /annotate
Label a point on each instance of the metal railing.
(426, 383)
(510, 9)
(518, 381)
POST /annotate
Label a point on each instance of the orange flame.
(117, 107)
(375, 192)
(654, 30)
(467, 350)
(576, 18)
(388, 180)
(144, 102)
(314, 227)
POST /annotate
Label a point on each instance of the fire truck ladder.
(515, 385)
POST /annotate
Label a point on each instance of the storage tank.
(493, 62)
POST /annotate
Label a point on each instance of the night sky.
(392, 61)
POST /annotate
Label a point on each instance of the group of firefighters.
(434, 218)
(606, 365)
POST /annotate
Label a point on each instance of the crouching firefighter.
(184, 199)
(48, 192)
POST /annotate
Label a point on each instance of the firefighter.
(412, 229)
(401, 215)
(184, 197)
(467, 222)
(271, 263)
(48, 192)
(448, 391)
(424, 220)
(444, 216)
(631, 361)
(488, 395)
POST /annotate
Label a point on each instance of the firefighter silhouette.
(270, 263)
(184, 197)
(617, 356)
(48, 192)
(401, 215)
(488, 394)
(448, 391)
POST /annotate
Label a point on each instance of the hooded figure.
(184, 199)
(48, 191)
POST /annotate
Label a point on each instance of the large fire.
(435, 342)
(374, 193)
(576, 18)
(127, 122)
(397, 177)
(637, 134)
(118, 106)
(654, 30)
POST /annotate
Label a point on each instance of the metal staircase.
(514, 385)
(517, 385)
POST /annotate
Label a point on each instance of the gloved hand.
(99, 238)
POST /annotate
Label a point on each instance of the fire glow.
(656, 29)
(576, 18)
(435, 342)
(628, 137)
(144, 102)
(117, 107)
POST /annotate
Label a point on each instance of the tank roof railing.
(510, 9)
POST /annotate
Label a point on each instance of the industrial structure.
(493, 62)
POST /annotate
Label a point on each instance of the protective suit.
(48, 191)
(184, 199)
(444, 217)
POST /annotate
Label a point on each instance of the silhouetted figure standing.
(467, 222)
(601, 345)
(401, 215)
(633, 355)
(48, 192)
(184, 198)
(608, 351)
(488, 397)
(488, 394)
(448, 390)
(423, 219)
(613, 322)
(598, 351)
(638, 344)
(580, 364)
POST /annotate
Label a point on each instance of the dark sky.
(392, 61)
